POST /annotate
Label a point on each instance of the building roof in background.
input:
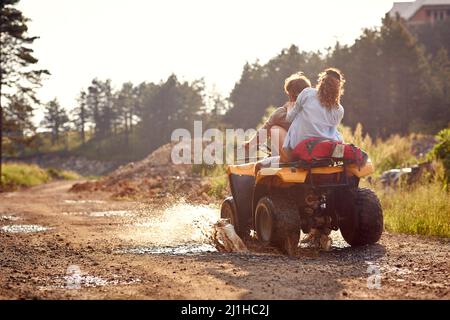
(406, 10)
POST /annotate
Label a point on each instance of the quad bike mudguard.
(242, 181)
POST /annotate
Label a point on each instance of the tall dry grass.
(420, 209)
(394, 152)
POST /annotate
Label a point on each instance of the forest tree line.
(395, 83)
(398, 81)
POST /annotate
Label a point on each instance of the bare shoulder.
(280, 112)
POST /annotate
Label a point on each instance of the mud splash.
(23, 228)
(338, 241)
(179, 229)
(226, 239)
(176, 225)
(184, 228)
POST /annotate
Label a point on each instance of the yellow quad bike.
(278, 202)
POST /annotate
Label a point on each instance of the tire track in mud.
(106, 247)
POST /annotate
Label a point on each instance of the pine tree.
(92, 105)
(100, 106)
(439, 111)
(55, 119)
(168, 106)
(81, 116)
(18, 128)
(17, 78)
(124, 104)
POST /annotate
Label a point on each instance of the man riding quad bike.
(318, 191)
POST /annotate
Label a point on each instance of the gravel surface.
(137, 250)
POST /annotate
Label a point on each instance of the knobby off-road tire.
(277, 223)
(228, 211)
(363, 222)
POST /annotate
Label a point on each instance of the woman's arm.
(298, 107)
(337, 115)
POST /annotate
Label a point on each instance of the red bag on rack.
(318, 149)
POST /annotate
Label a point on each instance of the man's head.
(295, 84)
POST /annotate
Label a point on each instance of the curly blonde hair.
(330, 87)
(294, 84)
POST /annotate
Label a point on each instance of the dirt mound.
(154, 177)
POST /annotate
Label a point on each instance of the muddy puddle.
(23, 228)
(174, 250)
(9, 194)
(84, 201)
(9, 218)
(75, 279)
(90, 281)
(111, 213)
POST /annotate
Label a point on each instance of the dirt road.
(98, 248)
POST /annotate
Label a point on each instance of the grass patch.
(423, 209)
(218, 179)
(394, 152)
(59, 174)
(16, 175)
(19, 175)
(219, 186)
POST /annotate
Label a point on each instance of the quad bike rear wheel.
(228, 211)
(362, 221)
(277, 223)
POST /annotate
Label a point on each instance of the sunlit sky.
(147, 40)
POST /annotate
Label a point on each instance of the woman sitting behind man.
(277, 125)
(316, 114)
(310, 112)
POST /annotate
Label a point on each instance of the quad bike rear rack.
(316, 163)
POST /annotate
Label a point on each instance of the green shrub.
(441, 151)
(218, 180)
(16, 175)
(219, 186)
